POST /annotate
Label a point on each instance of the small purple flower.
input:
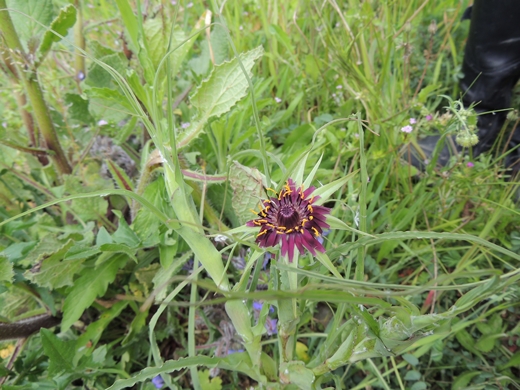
(185, 125)
(429, 117)
(257, 305)
(271, 326)
(413, 121)
(80, 76)
(158, 382)
(102, 122)
(470, 165)
(407, 129)
(277, 100)
(291, 218)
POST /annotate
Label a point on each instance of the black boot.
(491, 68)
(491, 65)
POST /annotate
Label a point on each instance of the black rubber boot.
(491, 65)
(491, 69)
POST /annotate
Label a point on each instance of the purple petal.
(291, 247)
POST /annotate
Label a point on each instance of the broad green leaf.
(146, 225)
(225, 86)
(93, 283)
(54, 272)
(123, 234)
(6, 270)
(463, 380)
(296, 373)
(60, 352)
(119, 248)
(412, 375)
(248, 188)
(156, 38)
(30, 20)
(208, 383)
(487, 343)
(78, 108)
(108, 104)
(61, 24)
(45, 247)
(98, 77)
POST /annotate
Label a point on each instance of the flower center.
(288, 216)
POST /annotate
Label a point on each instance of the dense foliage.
(153, 152)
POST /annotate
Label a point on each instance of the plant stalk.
(32, 87)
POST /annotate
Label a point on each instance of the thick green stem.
(33, 90)
(79, 41)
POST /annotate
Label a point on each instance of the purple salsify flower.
(291, 219)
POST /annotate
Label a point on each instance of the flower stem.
(32, 87)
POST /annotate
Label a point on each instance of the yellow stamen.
(316, 231)
(257, 223)
(309, 207)
(261, 233)
(253, 211)
(271, 226)
(262, 220)
(282, 227)
(288, 231)
(311, 217)
(303, 221)
(311, 199)
(279, 232)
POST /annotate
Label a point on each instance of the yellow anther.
(262, 220)
(311, 217)
(303, 221)
(261, 233)
(257, 223)
(279, 232)
(288, 231)
(311, 199)
(270, 189)
(281, 227)
(316, 231)
(253, 211)
(271, 226)
(309, 207)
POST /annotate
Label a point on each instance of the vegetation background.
(135, 138)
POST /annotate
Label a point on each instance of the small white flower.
(407, 129)
(413, 121)
(241, 28)
(339, 87)
(185, 125)
(189, 5)
(277, 99)
(102, 122)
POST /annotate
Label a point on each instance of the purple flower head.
(429, 117)
(158, 382)
(271, 326)
(290, 218)
(470, 165)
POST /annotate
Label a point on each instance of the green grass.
(180, 128)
